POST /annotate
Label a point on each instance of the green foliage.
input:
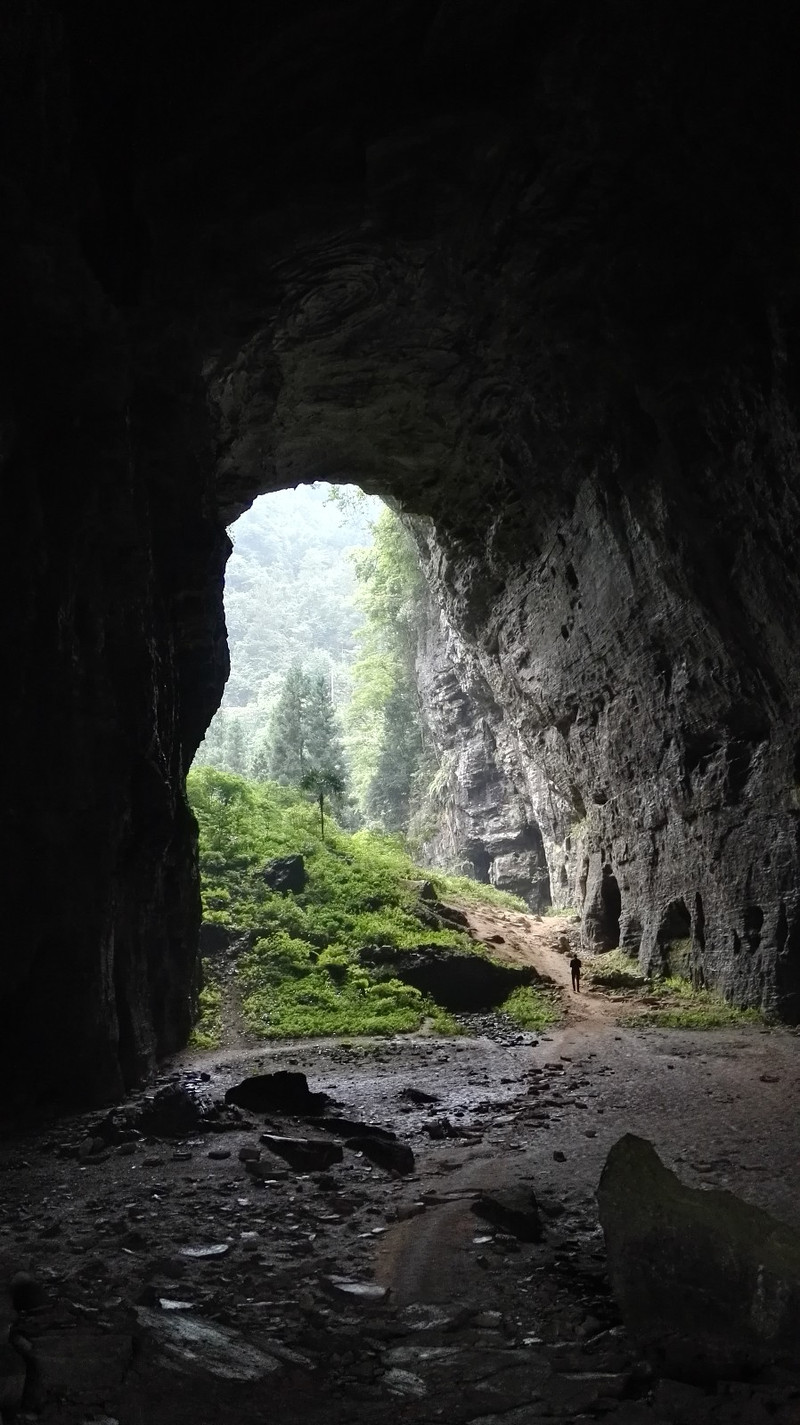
(289, 594)
(478, 892)
(302, 975)
(615, 970)
(383, 730)
(322, 782)
(531, 1008)
(303, 733)
(206, 1033)
(695, 1008)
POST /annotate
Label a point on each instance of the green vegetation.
(289, 596)
(302, 976)
(322, 782)
(531, 1008)
(614, 970)
(207, 1031)
(688, 1008)
(384, 741)
(478, 892)
(302, 732)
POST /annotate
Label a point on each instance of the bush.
(531, 1009)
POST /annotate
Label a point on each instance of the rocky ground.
(157, 1275)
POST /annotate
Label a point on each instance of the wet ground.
(172, 1285)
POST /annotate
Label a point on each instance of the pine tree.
(288, 756)
(323, 742)
(303, 732)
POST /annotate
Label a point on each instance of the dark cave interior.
(530, 270)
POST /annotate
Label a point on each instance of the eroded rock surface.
(530, 271)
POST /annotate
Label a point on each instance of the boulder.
(203, 1348)
(394, 1157)
(282, 1092)
(286, 874)
(305, 1155)
(215, 938)
(708, 1286)
(352, 1128)
(514, 1210)
(456, 979)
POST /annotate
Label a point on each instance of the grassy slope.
(301, 977)
(684, 1007)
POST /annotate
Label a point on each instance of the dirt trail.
(546, 943)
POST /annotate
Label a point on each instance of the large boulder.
(455, 979)
(708, 1285)
(286, 874)
(285, 1091)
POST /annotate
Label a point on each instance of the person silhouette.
(575, 970)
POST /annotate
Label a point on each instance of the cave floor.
(452, 1318)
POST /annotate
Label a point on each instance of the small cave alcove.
(602, 917)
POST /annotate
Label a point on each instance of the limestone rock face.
(529, 270)
(485, 827)
(707, 1285)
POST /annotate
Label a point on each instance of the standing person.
(575, 969)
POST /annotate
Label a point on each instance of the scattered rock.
(418, 1095)
(708, 1285)
(394, 1157)
(355, 1292)
(351, 1128)
(514, 1209)
(286, 874)
(214, 1249)
(198, 1347)
(306, 1155)
(249, 1155)
(283, 1092)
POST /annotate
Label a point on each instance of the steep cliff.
(530, 269)
(483, 822)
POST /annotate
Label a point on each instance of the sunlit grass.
(530, 1008)
(208, 1030)
(614, 970)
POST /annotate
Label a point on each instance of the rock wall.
(530, 269)
(484, 823)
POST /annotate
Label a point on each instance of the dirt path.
(546, 943)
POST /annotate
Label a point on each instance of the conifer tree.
(289, 729)
(303, 732)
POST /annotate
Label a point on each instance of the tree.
(322, 782)
(388, 798)
(384, 736)
(303, 731)
(289, 727)
(323, 743)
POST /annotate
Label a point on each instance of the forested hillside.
(323, 601)
(289, 598)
